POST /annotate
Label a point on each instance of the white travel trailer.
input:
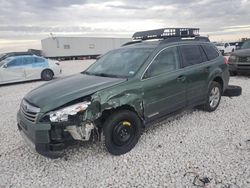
(79, 47)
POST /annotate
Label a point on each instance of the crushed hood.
(59, 92)
(242, 53)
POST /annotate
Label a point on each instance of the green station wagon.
(159, 73)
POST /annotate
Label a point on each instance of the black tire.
(222, 52)
(47, 75)
(232, 91)
(208, 105)
(122, 131)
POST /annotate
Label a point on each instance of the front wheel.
(122, 131)
(213, 97)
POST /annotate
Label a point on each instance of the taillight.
(225, 61)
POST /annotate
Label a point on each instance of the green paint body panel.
(151, 97)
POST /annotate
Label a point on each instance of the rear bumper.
(38, 138)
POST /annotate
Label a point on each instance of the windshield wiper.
(104, 75)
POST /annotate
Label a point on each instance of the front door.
(164, 85)
(13, 71)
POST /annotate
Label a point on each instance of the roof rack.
(166, 33)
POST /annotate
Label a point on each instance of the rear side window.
(210, 51)
(28, 60)
(191, 55)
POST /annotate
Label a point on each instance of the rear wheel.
(213, 97)
(47, 75)
(122, 131)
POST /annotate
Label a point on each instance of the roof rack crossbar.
(179, 39)
(166, 33)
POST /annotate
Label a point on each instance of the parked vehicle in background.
(27, 67)
(239, 61)
(10, 54)
(225, 48)
(238, 45)
(125, 91)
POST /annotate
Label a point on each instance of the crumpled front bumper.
(39, 138)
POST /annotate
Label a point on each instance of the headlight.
(232, 58)
(63, 114)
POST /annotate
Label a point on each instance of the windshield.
(245, 45)
(120, 63)
(4, 61)
(1, 55)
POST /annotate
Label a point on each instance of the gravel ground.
(169, 154)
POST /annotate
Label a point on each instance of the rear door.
(13, 71)
(34, 66)
(196, 70)
(164, 85)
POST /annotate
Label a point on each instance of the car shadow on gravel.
(18, 83)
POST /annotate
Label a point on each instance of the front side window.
(120, 63)
(191, 55)
(166, 61)
(15, 63)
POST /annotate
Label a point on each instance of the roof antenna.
(55, 38)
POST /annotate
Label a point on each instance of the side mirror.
(5, 66)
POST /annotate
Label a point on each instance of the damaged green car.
(122, 93)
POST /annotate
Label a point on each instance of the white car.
(27, 67)
(225, 48)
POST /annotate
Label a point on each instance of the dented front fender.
(110, 100)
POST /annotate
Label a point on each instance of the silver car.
(27, 67)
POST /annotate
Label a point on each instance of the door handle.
(181, 78)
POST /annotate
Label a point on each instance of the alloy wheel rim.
(47, 74)
(214, 97)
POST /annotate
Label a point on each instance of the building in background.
(68, 48)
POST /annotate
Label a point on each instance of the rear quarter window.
(210, 51)
(39, 60)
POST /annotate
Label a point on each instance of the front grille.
(29, 111)
(244, 59)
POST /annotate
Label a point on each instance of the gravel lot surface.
(169, 154)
